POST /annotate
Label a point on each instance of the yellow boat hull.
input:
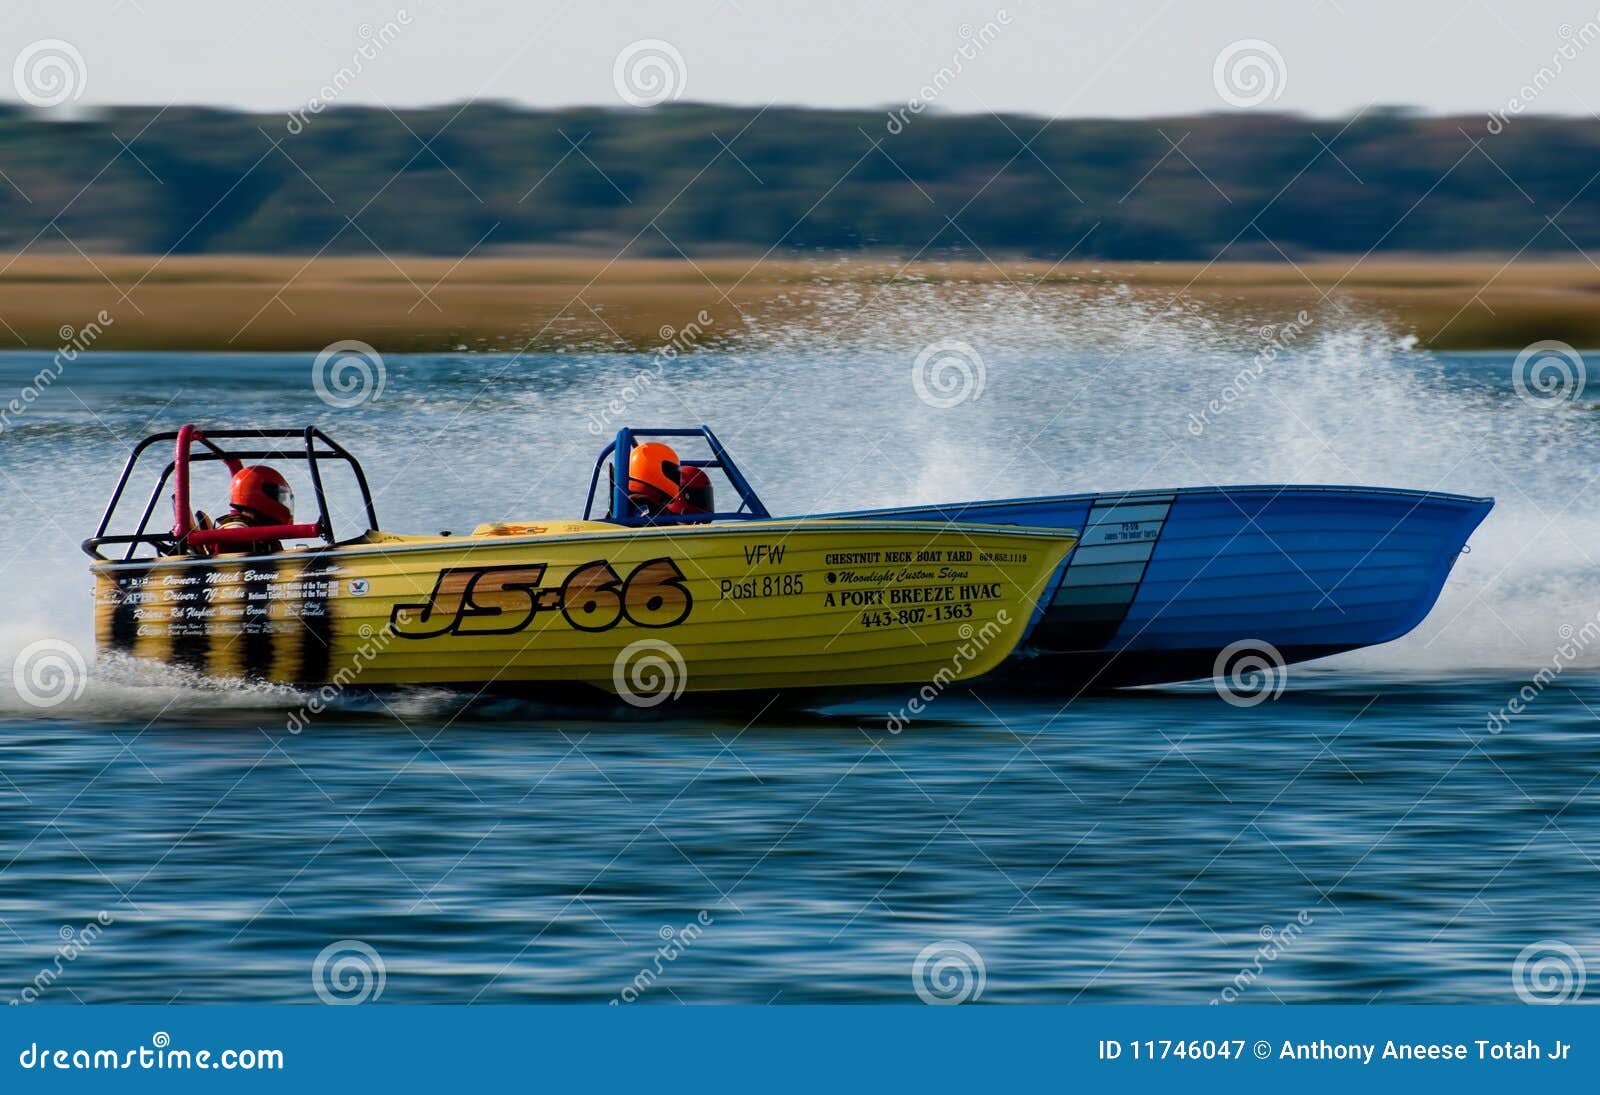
(647, 614)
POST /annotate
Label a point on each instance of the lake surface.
(1363, 837)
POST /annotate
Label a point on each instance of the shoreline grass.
(263, 303)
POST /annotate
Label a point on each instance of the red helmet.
(695, 495)
(653, 474)
(261, 491)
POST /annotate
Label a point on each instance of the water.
(166, 838)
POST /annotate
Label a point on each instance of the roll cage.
(234, 448)
(193, 445)
(620, 511)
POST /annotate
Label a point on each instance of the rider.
(259, 496)
(694, 494)
(654, 478)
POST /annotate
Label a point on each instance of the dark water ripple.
(1128, 848)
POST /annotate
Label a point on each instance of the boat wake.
(55, 678)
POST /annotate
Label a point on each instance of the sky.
(1067, 59)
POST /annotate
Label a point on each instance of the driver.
(694, 497)
(259, 496)
(654, 478)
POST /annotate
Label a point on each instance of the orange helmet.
(261, 491)
(653, 475)
(695, 495)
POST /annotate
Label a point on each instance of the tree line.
(701, 180)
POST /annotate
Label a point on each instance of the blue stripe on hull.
(1164, 579)
(1339, 568)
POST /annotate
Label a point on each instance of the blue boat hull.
(1163, 582)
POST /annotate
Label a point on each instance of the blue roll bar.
(623, 512)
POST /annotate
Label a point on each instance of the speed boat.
(1050, 594)
(647, 610)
